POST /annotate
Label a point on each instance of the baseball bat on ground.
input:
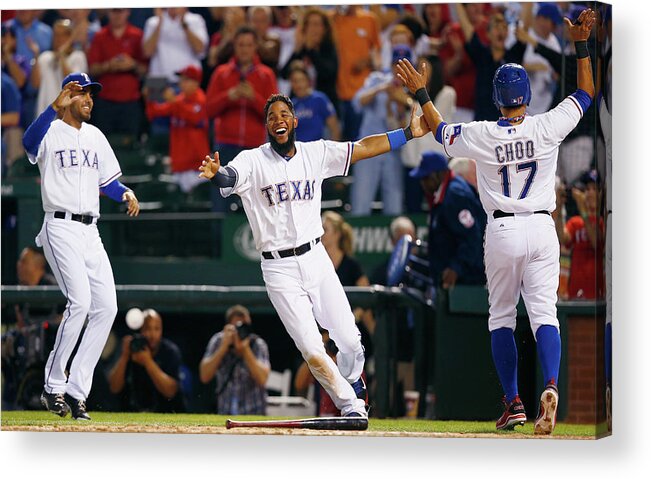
(323, 423)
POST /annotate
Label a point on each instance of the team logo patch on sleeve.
(466, 218)
(456, 132)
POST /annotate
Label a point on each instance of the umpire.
(456, 224)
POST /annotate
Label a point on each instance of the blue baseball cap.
(399, 52)
(84, 80)
(551, 11)
(432, 161)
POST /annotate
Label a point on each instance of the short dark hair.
(243, 30)
(237, 310)
(278, 97)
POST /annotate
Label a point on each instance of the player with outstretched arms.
(516, 167)
(280, 186)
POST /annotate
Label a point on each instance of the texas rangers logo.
(466, 218)
(456, 132)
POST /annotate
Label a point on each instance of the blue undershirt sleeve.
(583, 98)
(37, 130)
(114, 190)
(439, 132)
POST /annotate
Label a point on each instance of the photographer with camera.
(147, 374)
(239, 361)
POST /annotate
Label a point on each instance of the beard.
(283, 148)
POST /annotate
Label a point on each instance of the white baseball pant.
(521, 254)
(82, 269)
(302, 289)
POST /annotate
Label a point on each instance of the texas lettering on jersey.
(289, 191)
(72, 157)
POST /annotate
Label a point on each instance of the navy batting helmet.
(511, 86)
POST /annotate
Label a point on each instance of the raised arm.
(416, 82)
(374, 145)
(464, 21)
(580, 32)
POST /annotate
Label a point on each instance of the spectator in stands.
(383, 103)
(542, 78)
(221, 42)
(52, 66)
(260, 18)
(488, 58)
(338, 243)
(576, 152)
(284, 28)
(189, 126)
(584, 235)
(388, 17)
(444, 98)
(239, 361)
(444, 39)
(315, 47)
(18, 68)
(399, 226)
(466, 168)
(10, 119)
(456, 225)
(83, 29)
(237, 93)
(29, 30)
(313, 108)
(354, 26)
(147, 374)
(173, 39)
(117, 61)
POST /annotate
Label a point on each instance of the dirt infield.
(164, 429)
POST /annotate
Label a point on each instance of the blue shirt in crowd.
(312, 112)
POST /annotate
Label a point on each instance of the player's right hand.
(209, 167)
(64, 99)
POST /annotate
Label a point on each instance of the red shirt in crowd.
(188, 129)
(118, 86)
(586, 268)
(240, 122)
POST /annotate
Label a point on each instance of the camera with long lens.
(138, 343)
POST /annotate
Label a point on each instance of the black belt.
(85, 219)
(299, 250)
(502, 214)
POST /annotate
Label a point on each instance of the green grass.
(43, 419)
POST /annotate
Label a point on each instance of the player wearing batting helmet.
(516, 167)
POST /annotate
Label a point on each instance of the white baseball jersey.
(282, 201)
(74, 164)
(282, 198)
(516, 164)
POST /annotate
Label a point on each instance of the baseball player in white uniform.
(516, 166)
(280, 187)
(76, 162)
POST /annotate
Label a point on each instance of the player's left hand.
(449, 278)
(410, 77)
(133, 207)
(417, 123)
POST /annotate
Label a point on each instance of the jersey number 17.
(532, 166)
